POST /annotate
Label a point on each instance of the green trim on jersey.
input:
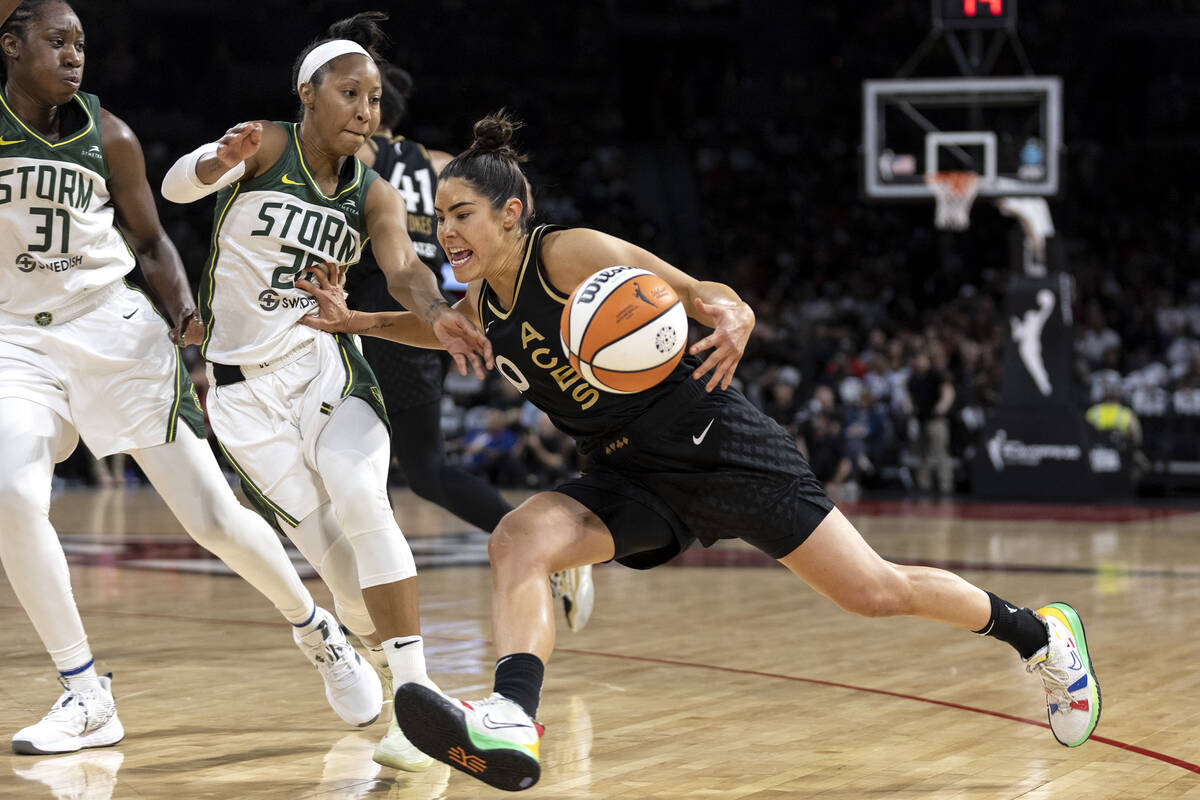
(189, 410)
(207, 279)
(83, 147)
(360, 380)
(258, 499)
(359, 169)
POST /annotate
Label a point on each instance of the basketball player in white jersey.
(84, 355)
(298, 411)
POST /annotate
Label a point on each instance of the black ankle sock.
(519, 678)
(1020, 627)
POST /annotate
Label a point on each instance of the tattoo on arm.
(433, 307)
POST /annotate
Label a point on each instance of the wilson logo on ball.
(624, 329)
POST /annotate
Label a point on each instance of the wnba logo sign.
(26, 262)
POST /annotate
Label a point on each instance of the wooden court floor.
(719, 677)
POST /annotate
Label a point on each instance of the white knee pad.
(383, 556)
(353, 456)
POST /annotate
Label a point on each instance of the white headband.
(324, 53)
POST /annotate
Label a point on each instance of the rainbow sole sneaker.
(1065, 667)
(493, 739)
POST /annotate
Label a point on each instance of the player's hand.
(189, 330)
(463, 341)
(732, 325)
(239, 143)
(324, 283)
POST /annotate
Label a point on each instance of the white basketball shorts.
(269, 424)
(106, 366)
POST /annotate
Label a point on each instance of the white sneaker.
(396, 751)
(351, 686)
(79, 719)
(574, 586)
(493, 739)
(88, 775)
(1072, 693)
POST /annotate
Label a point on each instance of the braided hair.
(18, 23)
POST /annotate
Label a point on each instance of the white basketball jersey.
(56, 215)
(269, 229)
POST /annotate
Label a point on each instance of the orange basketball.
(624, 329)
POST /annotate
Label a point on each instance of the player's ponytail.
(492, 165)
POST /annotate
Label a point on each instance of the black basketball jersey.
(405, 164)
(528, 349)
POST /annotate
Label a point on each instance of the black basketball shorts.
(700, 466)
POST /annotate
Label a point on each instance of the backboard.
(1007, 129)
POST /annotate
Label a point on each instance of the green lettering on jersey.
(265, 230)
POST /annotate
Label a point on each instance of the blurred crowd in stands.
(723, 136)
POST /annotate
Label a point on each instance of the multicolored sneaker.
(493, 739)
(79, 719)
(1072, 693)
(578, 594)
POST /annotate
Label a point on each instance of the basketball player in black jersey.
(690, 459)
(410, 377)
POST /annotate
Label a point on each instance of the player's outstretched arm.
(334, 316)
(137, 219)
(414, 286)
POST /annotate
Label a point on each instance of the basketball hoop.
(954, 192)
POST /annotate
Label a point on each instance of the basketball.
(624, 329)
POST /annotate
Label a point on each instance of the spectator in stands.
(547, 455)
(1119, 424)
(1095, 337)
(1191, 378)
(824, 446)
(931, 391)
(780, 402)
(489, 448)
(868, 430)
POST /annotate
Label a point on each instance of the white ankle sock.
(86, 680)
(309, 623)
(406, 657)
(302, 619)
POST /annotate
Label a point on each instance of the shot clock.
(978, 14)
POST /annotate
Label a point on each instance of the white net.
(954, 193)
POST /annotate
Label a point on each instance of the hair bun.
(494, 133)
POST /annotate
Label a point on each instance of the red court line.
(966, 509)
(1177, 762)
(1133, 748)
